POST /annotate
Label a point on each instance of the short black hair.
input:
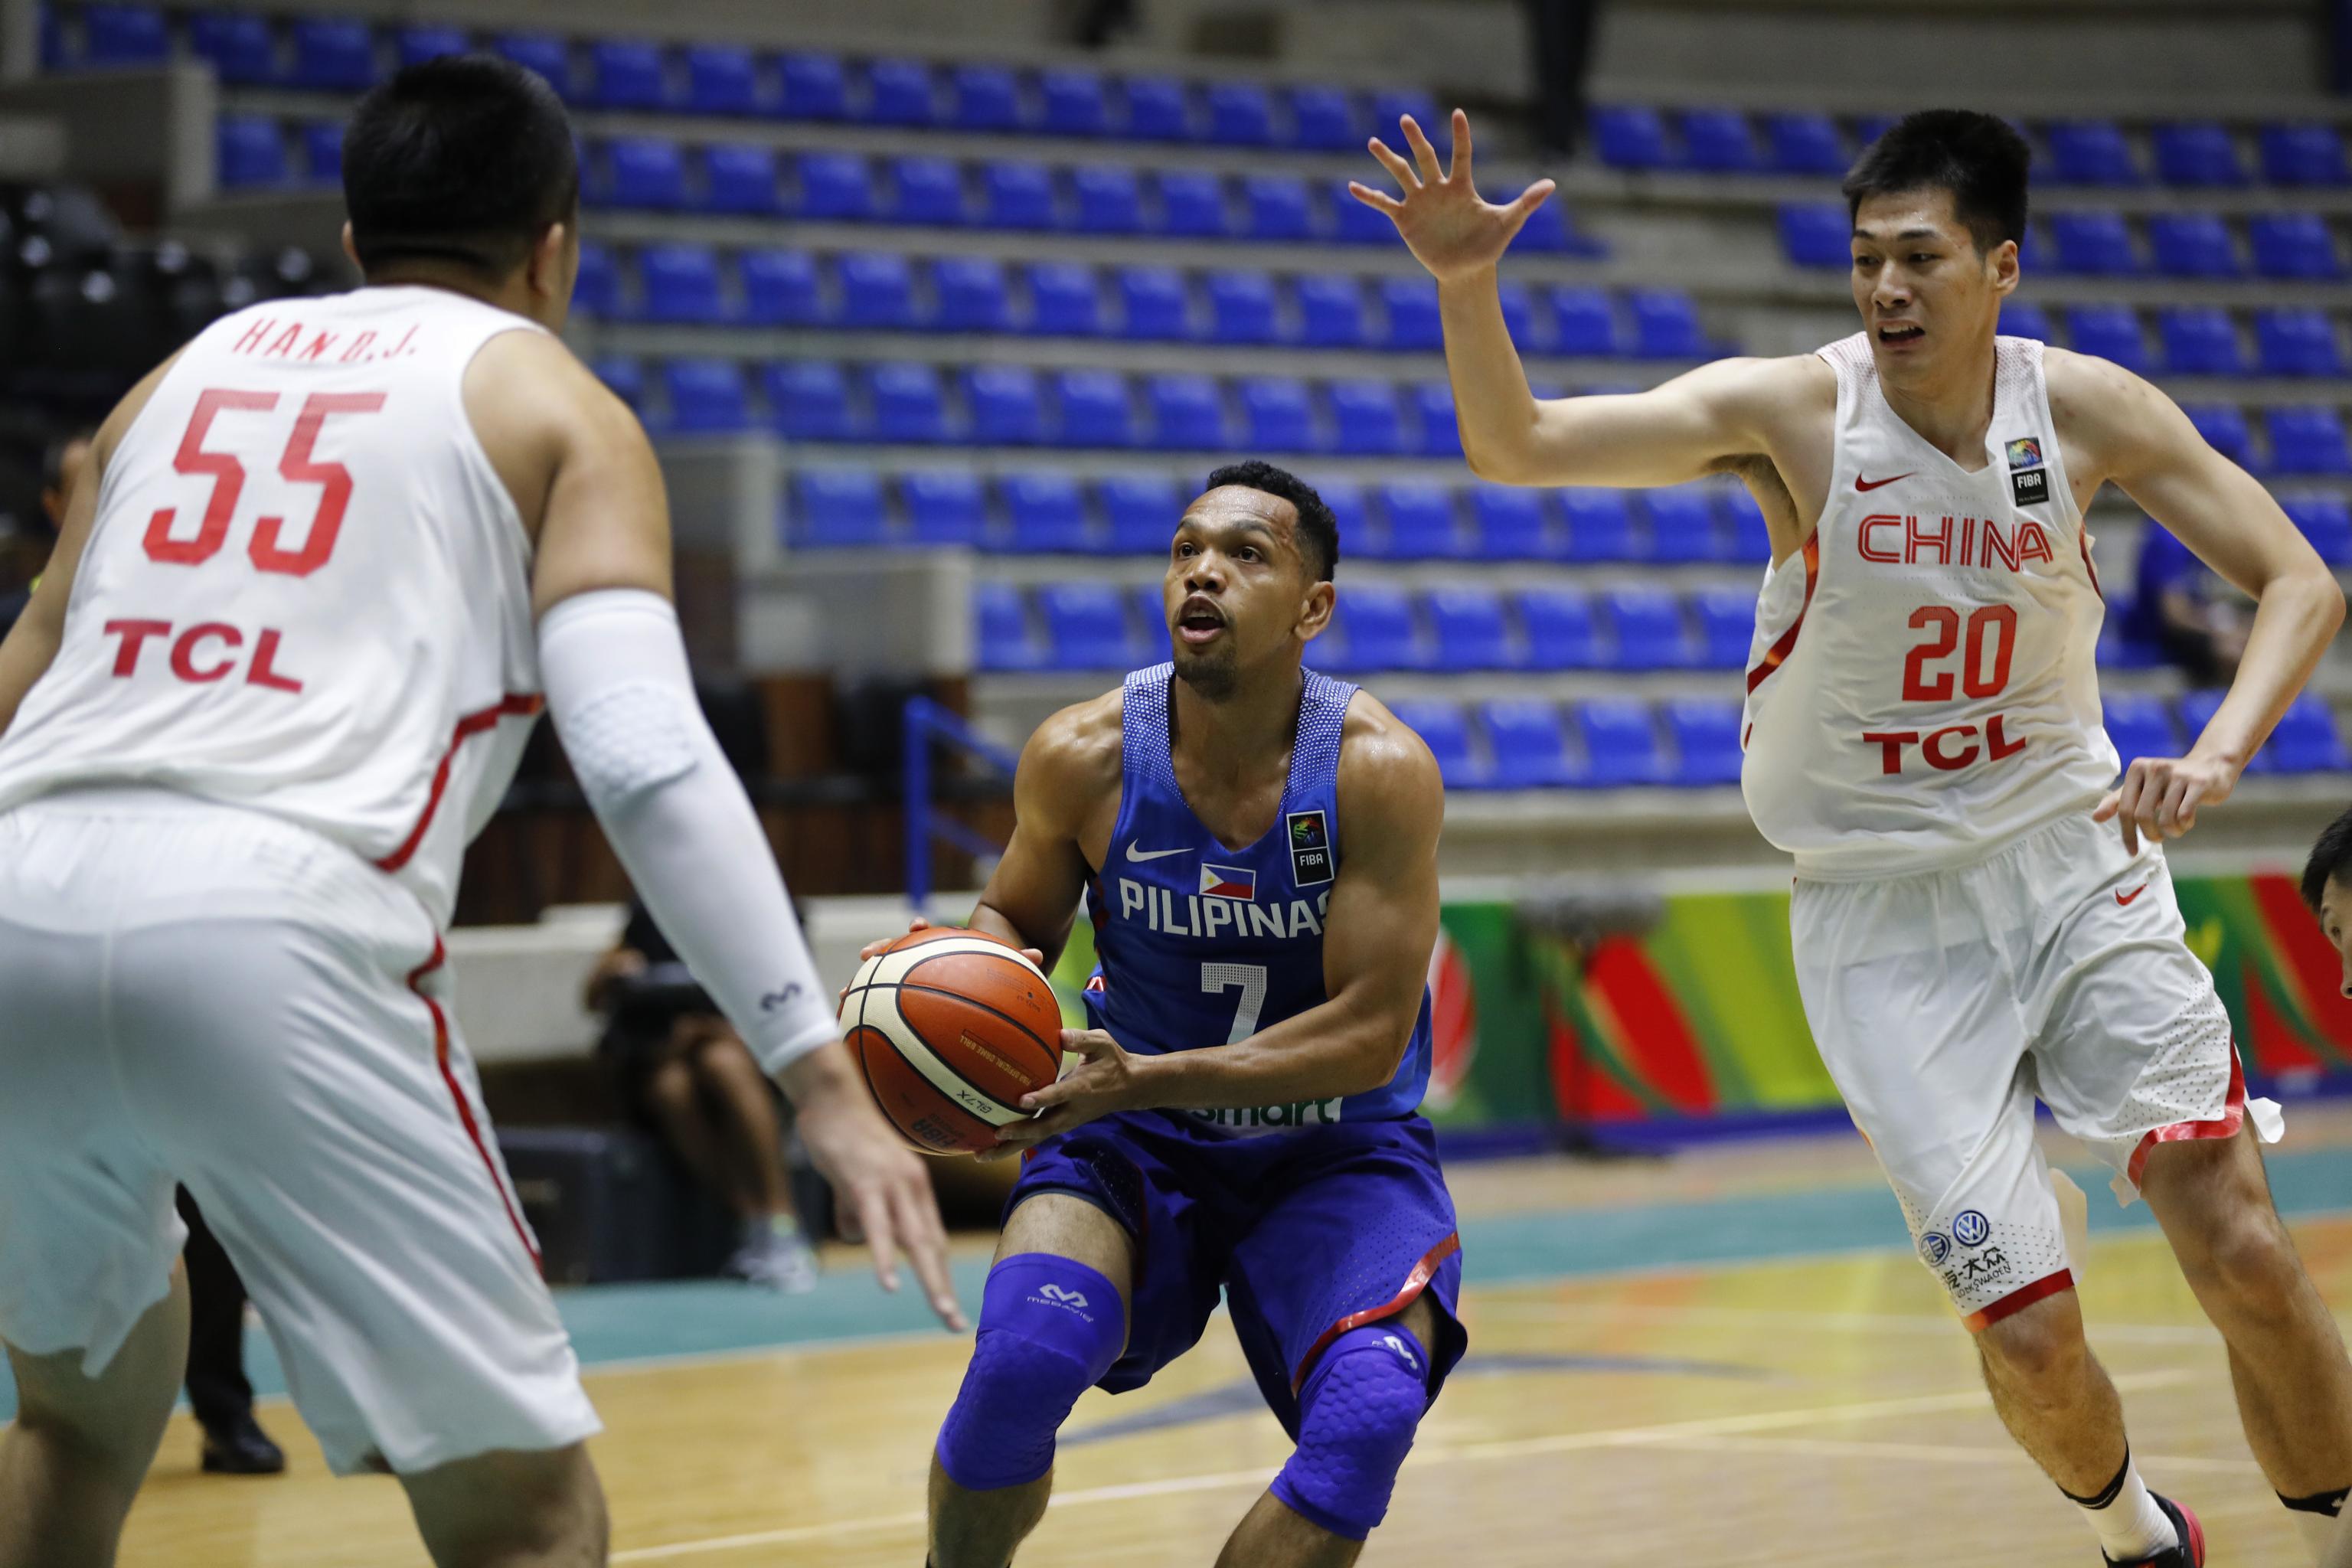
(1979, 158)
(463, 158)
(1318, 529)
(2331, 857)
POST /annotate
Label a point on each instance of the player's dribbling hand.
(1445, 224)
(875, 947)
(1106, 1081)
(2159, 796)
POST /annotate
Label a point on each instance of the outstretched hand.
(1445, 225)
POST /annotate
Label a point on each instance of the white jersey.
(307, 592)
(1922, 686)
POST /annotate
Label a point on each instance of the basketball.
(951, 1028)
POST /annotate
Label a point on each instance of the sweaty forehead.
(1235, 506)
(1901, 212)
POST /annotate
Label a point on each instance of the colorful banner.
(1700, 1017)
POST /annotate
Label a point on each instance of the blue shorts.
(1308, 1233)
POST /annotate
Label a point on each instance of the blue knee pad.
(1357, 1413)
(1049, 1330)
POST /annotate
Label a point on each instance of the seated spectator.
(25, 542)
(2184, 609)
(687, 1076)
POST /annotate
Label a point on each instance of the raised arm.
(2132, 434)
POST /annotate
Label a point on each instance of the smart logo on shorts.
(1310, 848)
(1934, 1247)
(1970, 1228)
(2029, 482)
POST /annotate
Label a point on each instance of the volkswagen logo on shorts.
(1970, 1228)
(1934, 1247)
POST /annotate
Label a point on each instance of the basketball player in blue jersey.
(1258, 847)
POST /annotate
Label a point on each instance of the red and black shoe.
(2188, 1554)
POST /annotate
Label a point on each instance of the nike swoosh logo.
(1867, 486)
(1134, 853)
(2125, 899)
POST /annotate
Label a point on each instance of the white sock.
(2318, 1533)
(2129, 1524)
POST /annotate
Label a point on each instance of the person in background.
(2178, 606)
(24, 545)
(1559, 52)
(235, 1444)
(688, 1075)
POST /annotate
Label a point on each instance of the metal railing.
(928, 723)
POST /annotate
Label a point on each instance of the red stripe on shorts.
(2017, 1300)
(1414, 1283)
(2226, 1125)
(514, 705)
(458, 1094)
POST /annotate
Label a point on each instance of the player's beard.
(1213, 675)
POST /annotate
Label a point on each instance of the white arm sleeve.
(617, 686)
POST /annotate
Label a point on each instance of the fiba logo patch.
(2028, 480)
(1934, 1247)
(1310, 848)
(1970, 1228)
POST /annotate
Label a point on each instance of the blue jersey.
(1202, 946)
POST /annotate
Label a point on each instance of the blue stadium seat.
(2140, 726)
(2307, 441)
(1720, 141)
(780, 289)
(1241, 307)
(925, 191)
(877, 290)
(646, 172)
(1632, 136)
(1092, 409)
(1437, 434)
(1409, 307)
(625, 73)
(1726, 626)
(240, 47)
(2303, 155)
(2327, 522)
(2090, 152)
(1088, 625)
(1156, 110)
(1420, 525)
(839, 506)
(1006, 405)
(2112, 332)
(2223, 426)
(545, 53)
(2292, 245)
(1666, 324)
(1191, 204)
(1276, 415)
(1380, 626)
(1528, 741)
(1353, 223)
(813, 86)
(1075, 103)
(1518, 302)
(720, 78)
(1805, 143)
(985, 98)
(1816, 234)
(1330, 312)
(1001, 628)
(737, 178)
(681, 284)
(1445, 730)
(1063, 300)
(1869, 128)
(1016, 195)
(2297, 343)
(2307, 741)
(808, 400)
(1682, 524)
(123, 35)
(252, 151)
(1153, 305)
(2094, 243)
(1277, 207)
(1241, 114)
(624, 374)
(1470, 630)
(1109, 200)
(1600, 526)
(1390, 105)
(1621, 743)
(1560, 627)
(1509, 523)
(944, 506)
(835, 188)
(417, 45)
(897, 92)
(1147, 604)
(1550, 231)
(972, 294)
(1353, 513)
(1649, 634)
(2197, 152)
(1141, 514)
(1187, 413)
(1705, 736)
(909, 404)
(596, 292)
(2024, 318)
(1365, 422)
(2200, 340)
(2192, 244)
(1750, 538)
(1324, 120)
(1045, 513)
(1584, 322)
(706, 396)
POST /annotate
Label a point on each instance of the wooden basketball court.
(1728, 1358)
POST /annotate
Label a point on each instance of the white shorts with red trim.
(196, 994)
(1946, 1002)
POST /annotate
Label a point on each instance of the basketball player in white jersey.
(1982, 913)
(329, 561)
